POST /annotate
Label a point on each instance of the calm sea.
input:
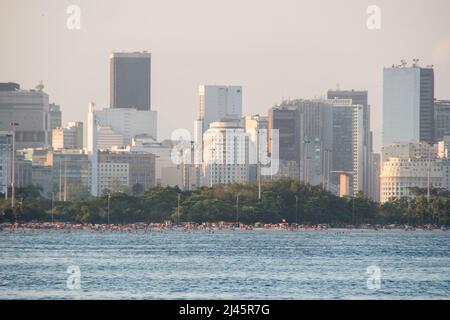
(259, 264)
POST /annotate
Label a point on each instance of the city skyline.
(275, 56)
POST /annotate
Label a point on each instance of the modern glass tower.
(408, 104)
(130, 80)
(363, 147)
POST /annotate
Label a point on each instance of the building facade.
(441, 119)
(28, 108)
(361, 118)
(256, 127)
(130, 80)
(218, 102)
(140, 168)
(407, 165)
(226, 153)
(5, 160)
(119, 125)
(55, 116)
(70, 137)
(305, 130)
(408, 104)
(161, 150)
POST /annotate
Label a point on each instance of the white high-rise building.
(113, 176)
(408, 104)
(110, 128)
(407, 165)
(219, 102)
(128, 122)
(360, 162)
(226, 153)
(256, 127)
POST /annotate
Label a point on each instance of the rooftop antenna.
(403, 63)
(40, 86)
(415, 62)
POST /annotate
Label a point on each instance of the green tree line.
(287, 199)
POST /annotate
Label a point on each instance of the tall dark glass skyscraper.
(342, 128)
(130, 80)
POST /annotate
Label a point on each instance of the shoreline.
(211, 227)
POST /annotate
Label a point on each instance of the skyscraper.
(305, 137)
(226, 153)
(130, 80)
(108, 128)
(441, 119)
(28, 108)
(55, 116)
(408, 104)
(217, 103)
(363, 134)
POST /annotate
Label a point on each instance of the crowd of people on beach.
(169, 226)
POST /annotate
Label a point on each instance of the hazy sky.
(274, 48)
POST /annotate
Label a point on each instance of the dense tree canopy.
(280, 199)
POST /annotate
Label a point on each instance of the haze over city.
(274, 49)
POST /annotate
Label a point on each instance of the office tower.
(5, 160)
(22, 171)
(225, 153)
(123, 169)
(41, 172)
(358, 97)
(217, 103)
(408, 104)
(441, 119)
(28, 108)
(108, 138)
(130, 80)
(92, 147)
(70, 173)
(162, 152)
(116, 126)
(55, 116)
(343, 133)
(70, 137)
(360, 155)
(256, 127)
(374, 177)
(65, 173)
(305, 138)
(113, 177)
(405, 165)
